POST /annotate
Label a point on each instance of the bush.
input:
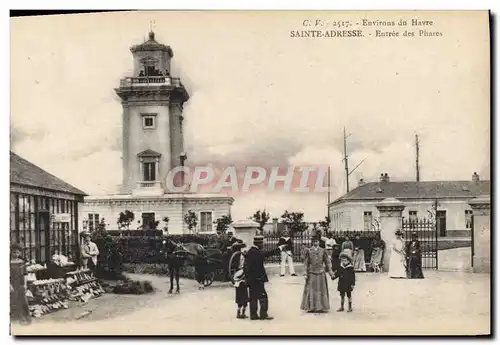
(117, 248)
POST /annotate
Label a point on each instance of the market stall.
(51, 287)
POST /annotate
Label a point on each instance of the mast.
(346, 162)
(417, 158)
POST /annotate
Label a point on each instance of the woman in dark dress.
(414, 254)
(19, 309)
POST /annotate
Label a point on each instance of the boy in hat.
(256, 276)
(347, 279)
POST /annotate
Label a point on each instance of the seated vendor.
(54, 267)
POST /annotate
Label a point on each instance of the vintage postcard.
(250, 173)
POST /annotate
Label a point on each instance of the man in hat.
(89, 252)
(19, 308)
(256, 276)
(286, 254)
(414, 258)
(228, 246)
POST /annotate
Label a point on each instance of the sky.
(258, 97)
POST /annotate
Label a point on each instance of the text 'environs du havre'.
(421, 24)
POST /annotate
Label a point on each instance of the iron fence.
(301, 241)
(426, 231)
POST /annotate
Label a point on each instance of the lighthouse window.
(149, 171)
(148, 121)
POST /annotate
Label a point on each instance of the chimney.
(275, 225)
(384, 177)
(361, 182)
(381, 178)
(475, 177)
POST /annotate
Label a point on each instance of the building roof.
(152, 45)
(416, 190)
(25, 173)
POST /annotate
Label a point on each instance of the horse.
(177, 254)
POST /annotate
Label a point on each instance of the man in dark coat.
(256, 277)
(414, 258)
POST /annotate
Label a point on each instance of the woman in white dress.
(397, 267)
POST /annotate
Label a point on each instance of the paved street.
(443, 303)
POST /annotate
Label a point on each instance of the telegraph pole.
(417, 165)
(329, 186)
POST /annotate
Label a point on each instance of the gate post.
(245, 230)
(481, 208)
(391, 215)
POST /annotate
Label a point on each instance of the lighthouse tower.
(152, 103)
(153, 144)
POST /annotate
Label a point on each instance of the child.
(241, 290)
(347, 279)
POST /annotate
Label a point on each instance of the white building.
(356, 210)
(153, 144)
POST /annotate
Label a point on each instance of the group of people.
(319, 263)
(250, 278)
(405, 258)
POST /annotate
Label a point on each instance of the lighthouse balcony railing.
(157, 80)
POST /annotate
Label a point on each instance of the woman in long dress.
(315, 298)
(359, 256)
(397, 259)
(377, 252)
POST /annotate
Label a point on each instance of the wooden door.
(441, 223)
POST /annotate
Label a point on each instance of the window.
(149, 121)
(468, 219)
(368, 220)
(93, 221)
(206, 223)
(150, 70)
(148, 221)
(149, 171)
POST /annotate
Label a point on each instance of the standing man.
(89, 252)
(286, 253)
(329, 243)
(256, 277)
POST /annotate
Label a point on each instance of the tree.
(325, 224)
(294, 221)
(191, 219)
(222, 223)
(125, 219)
(261, 217)
(165, 219)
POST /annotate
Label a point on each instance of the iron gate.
(426, 231)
